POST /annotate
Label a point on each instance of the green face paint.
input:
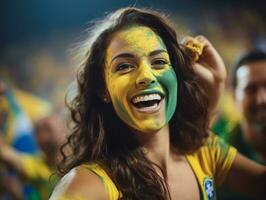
(168, 81)
(140, 79)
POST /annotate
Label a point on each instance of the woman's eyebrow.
(153, 53)
(123, 55)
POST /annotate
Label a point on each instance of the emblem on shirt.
(209, 188)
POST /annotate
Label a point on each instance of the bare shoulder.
(80, 184)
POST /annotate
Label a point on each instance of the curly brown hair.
(99, 136)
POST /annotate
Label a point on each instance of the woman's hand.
(210, 68)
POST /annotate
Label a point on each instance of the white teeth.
(148, 97)
(153, 107)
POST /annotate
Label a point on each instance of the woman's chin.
(149, 128)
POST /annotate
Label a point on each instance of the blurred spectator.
(50, 133)
(249, 136)
(17, 131)
(13, 190)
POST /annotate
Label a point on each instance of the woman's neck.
(156, 147)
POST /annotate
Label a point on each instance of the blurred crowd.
(29, 148)
(33, 126)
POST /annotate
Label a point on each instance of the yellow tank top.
(210, 165)
(110, 187)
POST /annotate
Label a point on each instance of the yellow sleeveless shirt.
(210, 165)
(110, 187)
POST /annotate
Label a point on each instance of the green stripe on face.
(169, 82)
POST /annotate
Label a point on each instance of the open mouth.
(147, 102)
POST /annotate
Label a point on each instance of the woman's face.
(140, 80)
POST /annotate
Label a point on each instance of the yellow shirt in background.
(39, 174)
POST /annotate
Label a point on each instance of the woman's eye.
(159, 64)
(124, 67)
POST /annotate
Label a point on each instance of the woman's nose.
(145, 76)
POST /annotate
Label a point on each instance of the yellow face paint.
(140, 79)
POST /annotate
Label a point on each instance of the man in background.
(249, 91)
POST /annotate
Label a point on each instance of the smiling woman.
(140, 79)
(141, 117)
